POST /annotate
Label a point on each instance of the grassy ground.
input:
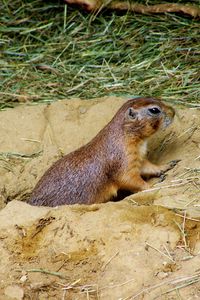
(50, 51)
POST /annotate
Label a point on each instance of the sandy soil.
(146, 246)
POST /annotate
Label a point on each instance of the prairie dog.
(114, 159)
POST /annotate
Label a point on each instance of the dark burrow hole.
(121, 194)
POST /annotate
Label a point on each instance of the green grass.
(50, 51)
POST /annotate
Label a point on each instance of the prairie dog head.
(144, 116)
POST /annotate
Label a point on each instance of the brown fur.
(113, 160)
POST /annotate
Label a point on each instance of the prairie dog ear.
(131, 113)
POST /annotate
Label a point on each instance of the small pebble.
(23, 278)
(162, 275)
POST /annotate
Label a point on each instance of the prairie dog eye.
(154, 110)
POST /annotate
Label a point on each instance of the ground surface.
(144, 247)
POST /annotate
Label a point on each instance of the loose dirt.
(146, 246)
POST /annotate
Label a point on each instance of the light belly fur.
(143, 149)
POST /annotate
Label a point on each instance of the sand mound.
(144, 247)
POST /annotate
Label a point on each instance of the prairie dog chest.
(143, 149)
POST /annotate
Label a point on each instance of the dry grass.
(50, 51)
